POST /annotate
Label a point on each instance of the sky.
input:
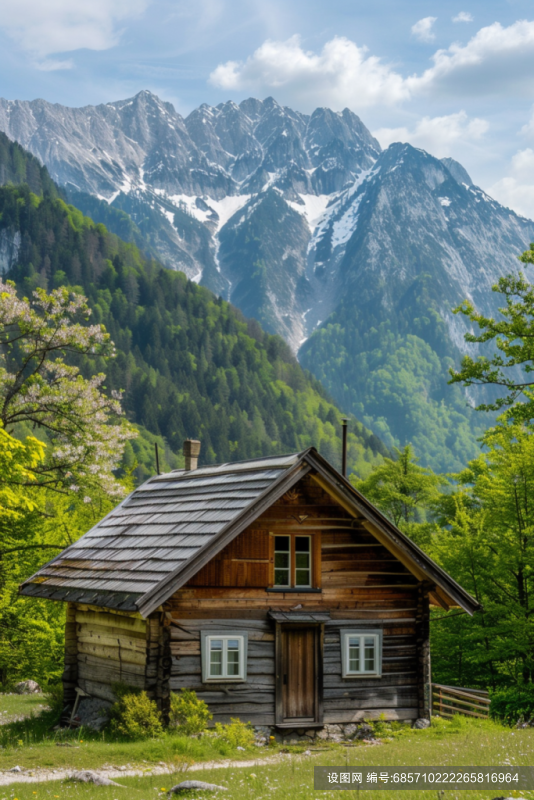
(454, 78)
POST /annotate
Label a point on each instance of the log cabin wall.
(111, 648)
(360, 584)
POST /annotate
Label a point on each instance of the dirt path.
(42, 775)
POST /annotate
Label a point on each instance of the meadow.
(459, 742)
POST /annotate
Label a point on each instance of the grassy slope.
(459, 743)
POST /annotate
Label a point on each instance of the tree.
(41, 386)
(512, 367)
(488, 545)
(404, 491)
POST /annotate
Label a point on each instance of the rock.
(311, 733)
(93, 713)
(240, 748)
(350, 730)
(421, 723)
(15, 769)
(27, 687)
(86, 776)
(198, 785)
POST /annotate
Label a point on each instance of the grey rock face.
(86, 776)
(200, 786)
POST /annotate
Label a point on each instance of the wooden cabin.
(271, 587)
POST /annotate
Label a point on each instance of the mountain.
(356, 256)
(191, 365)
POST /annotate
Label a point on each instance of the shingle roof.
(150, 535)
(168, 528)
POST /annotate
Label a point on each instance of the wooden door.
(299, 675)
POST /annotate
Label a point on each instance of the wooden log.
(116, 655)
(106, 619)
(469, 703)
(101, 663)
(114, 612)
(70, 672)
(110, 630)
(463, 711)
(96, 689)
(109, 675)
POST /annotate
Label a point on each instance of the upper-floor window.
(293, 561)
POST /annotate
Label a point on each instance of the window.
(224, 658)
(361, 653)
(293, 561)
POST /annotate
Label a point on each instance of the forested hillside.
(190, 364)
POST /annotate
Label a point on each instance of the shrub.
(513, 703)
(54, 698)
(236, 733)
(136, 717)
(188, 713)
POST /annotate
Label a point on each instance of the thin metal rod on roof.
(157, 457)
(344, 422)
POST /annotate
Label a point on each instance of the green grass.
(461, 742)
(20, 705)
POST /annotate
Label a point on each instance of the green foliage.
(188, 713)
(235, 733)
(190, 364)
(389, 367)
(402, 490)
(54, 698)
(136, 717)
(512, 367)
(487, 544)
(513, 703)
(18, 166)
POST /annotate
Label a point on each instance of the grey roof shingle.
(161, 525)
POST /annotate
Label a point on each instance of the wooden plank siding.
(361, 585)
(111, 647)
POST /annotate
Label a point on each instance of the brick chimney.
(191, 453)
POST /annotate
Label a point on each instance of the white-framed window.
(224, 657)
(361, 653)
(293, 561)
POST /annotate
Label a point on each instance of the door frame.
(279, 677)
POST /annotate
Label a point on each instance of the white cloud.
(423, 29)
(496, 59)
(437, 135)
(341, 74)
(517, 189)
(57, 26)
(463, 16)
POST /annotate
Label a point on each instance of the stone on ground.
(199, 785)
(421, 723)
(86, 776)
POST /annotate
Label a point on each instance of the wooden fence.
(450, 700)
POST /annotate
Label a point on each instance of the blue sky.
(455, 78)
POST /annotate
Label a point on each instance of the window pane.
(369, 655)
(281, 577)
(216, 646)
(281, 543)
(354, 654)
(302, 577)
(281, 560)
(302, 560)
(302, 544)
(233, 662)
(233, 644)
